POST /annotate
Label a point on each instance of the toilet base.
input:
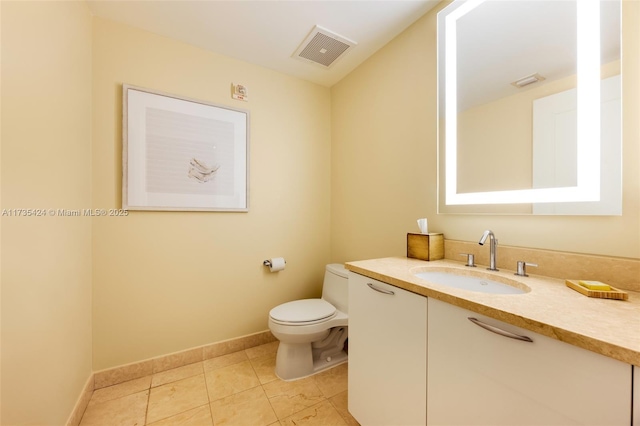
(296, 361)
(323, 364)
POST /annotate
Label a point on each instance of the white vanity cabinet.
(387, 353)
(479, 377)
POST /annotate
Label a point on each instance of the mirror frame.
(588, 114)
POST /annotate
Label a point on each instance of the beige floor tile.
(120, 390)
(262, 350)
(238, 388)
(225, 360)
(341, 403)
(333, 381)
(200, 416)
(176, 374)
(177, 397)
(288, 398)
(321, 414)
(265, 368)
(248, 408)
(128, 410)
(229, 380)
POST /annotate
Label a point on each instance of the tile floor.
(236, 389)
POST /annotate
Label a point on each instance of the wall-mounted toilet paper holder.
(275, 264)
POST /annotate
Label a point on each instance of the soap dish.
(614, 293)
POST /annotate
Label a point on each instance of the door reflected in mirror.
(530, 107)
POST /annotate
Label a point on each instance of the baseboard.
(83, 401)
(123, 373)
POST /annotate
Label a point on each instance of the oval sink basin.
(480, 284)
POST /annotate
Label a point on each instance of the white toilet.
(312, 332)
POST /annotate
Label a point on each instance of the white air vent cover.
(323, 47)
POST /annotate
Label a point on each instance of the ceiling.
(268, 32)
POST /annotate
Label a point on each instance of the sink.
(471, 280)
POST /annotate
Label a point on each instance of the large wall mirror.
(529, 107)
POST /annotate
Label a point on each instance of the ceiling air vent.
(530, 79)
(323, 47)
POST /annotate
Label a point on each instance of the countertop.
(608, 327)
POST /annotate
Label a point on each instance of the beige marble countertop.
(607, 327)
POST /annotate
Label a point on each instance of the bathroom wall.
(384, 160)
(168, 281)
(46, 164)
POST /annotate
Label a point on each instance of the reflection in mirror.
(525, 88)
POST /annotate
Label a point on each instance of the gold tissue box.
(425, 246)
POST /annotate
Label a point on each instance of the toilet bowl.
(312, 332)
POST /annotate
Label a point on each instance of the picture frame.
(181, 154)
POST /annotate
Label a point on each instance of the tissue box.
(425, 246)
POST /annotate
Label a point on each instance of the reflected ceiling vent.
(323, 47)
(530, 79)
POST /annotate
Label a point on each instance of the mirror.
(529, 107)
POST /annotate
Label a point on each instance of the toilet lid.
(303, 311)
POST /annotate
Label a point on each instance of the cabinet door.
(387, 354)
(477, 377)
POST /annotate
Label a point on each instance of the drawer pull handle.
(499, 330)
(373, 287)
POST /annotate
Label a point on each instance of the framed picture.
(182, 154)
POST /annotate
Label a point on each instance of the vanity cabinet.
(387, 353)
(479, 377)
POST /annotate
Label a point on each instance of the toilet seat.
(303, 312)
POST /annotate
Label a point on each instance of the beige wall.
(168, 281)
(383, 165)
(384, 159)
(46, 164)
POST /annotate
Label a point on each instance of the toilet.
(312, 332)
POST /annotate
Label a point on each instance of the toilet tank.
(335, 288)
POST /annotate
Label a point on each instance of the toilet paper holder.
(268, 263)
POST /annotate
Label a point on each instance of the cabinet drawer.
(476, 376)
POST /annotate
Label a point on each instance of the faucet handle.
(522, 268)
(470, 259)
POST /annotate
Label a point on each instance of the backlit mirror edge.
(588, 188)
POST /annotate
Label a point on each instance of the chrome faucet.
(493, 248)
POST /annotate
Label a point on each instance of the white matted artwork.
(182, 154)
